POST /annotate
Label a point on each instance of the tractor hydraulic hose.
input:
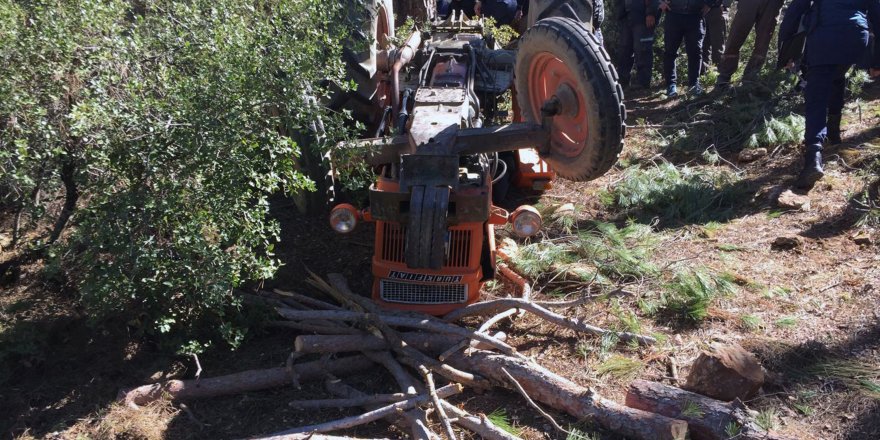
(404, 55)
(472, 66)
(403, 115)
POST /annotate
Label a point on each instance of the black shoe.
(834, 130)
(812, 171)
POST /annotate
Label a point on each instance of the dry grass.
(121, 422)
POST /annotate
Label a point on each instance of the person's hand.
(478, 8)
(650, 21)
(664, 6)
(518, 15)
(875, 72)
(706, 9)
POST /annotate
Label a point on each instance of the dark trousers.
(690, 28)
(716, 33)
(760, 15)
(824, 95)
(636, 47)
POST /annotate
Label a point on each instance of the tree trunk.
(71, 196)
(251, 380)
(564, 395)
(709, 419)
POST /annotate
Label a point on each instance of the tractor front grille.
(412, 293)
(457, 253)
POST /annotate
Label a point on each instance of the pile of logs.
(352, 335)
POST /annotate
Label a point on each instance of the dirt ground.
(814, 305)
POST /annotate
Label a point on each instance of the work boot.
(834, 130)
(722, 83)
(696, 90)
(812, 171)
(672, 91)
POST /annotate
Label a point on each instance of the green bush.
(168, 124)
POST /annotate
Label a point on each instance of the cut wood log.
(376, 399)
(726, 372)
(367, 417)
(251, 380)
(499, 305)
(564, 395)
(416, 420)
(320, 329)
(708, 419)
(426, 342)
(478, 425)
(423, 323)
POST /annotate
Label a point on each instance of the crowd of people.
(834, 36)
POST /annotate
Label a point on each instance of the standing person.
(758, 14)
(716, 33)
(837, 38)
(684, 21)
(638, 20)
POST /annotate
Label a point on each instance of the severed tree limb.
(479, 425)
(428, 342)
(415, 419)
(404, 380)
(370, 416)
(494, 306)
(708, 419)
(349, 402)
(322, 329)
(344, 295)
(324, 437)
(441, 413)
(533, 404)
(251, 380)
(564, 395)
(307, 300)
(397, 321)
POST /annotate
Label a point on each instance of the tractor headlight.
(526, 221)
(343, 218)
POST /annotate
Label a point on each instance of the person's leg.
(707, 43)
(817, 94)
(835, 104)
(644, 52)
(673, 33)
(719, 22)
(743, 22)
(764, 29)
(695, 31)
(627, 53)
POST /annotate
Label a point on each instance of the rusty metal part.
(403, 56)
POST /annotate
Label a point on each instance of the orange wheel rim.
(569, 131)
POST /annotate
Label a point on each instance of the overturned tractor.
(440, 166)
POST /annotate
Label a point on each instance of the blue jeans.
(690, 28)
(824, 94)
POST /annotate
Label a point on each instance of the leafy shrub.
(169, 124)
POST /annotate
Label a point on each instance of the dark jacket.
(691, 6)
(837, 29)
(635, 11)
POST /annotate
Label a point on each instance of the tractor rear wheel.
(560, 60)
(372, 24)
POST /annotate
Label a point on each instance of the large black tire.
(580, 10)
(367, 18)
(568, 45)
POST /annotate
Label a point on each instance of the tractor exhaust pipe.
(404, 55)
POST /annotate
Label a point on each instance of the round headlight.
(526, 221)
(343, 218)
